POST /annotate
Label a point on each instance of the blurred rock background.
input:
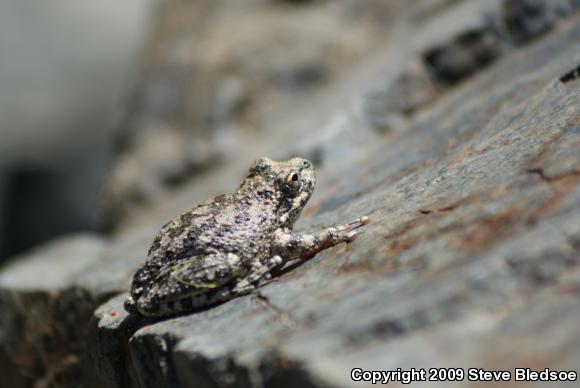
(107, 107)
(452, 123)
(220, 73)
(65, 70)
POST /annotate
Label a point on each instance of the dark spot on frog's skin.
(285, 206)
(176, 231)
(223, 230)
(221, 198)
(265, 194)
(293, 244)
(205, 226)
(189, 250)
(156, 244)
(187, 219)
(242, 218)
(245, 202)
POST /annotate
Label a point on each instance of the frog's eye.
(293, 181)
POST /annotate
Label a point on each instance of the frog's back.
(184, 235)
(228, 223)
(223, 224)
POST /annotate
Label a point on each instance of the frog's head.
(292, 180)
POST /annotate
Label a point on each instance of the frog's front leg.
(260, 271)
(292, 246)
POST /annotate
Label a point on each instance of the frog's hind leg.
(192, 283)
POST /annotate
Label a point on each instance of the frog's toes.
(353, 225)
(348, 236)
(348, 231)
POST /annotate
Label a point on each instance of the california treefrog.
(229, 245)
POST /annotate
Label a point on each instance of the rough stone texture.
(42, 304)
(471, 258)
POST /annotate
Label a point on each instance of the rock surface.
(42, 304)
(471, 259)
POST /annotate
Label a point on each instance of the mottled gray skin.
(228, 245)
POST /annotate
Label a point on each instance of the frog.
(232, 244)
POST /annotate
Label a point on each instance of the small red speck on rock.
(114, 314)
